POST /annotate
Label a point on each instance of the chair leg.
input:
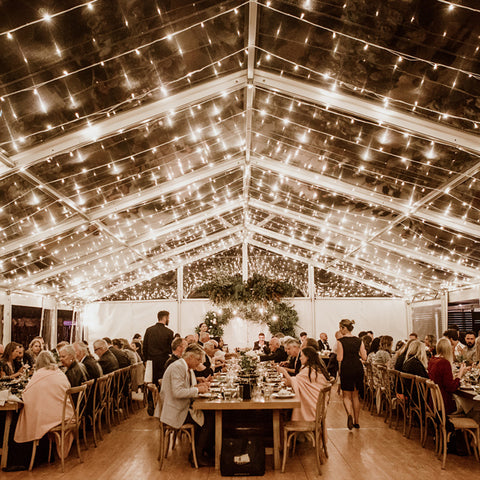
(161, 447)
(84, 430)
(285, 450)
(318, 455)
(194, 448)
(34, 451)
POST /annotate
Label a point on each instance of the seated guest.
(178, 347)
(457, 347)
(8, 368)
(384, 353)
(440, 371)
(122, 345)
(310, 342)
(476, 358)
(323, 342)
(292, 347)
(137, 347)
(400, 356)
(42, 401)
(303, 337)
(75, 372)
(56, 350)
(415, 364)
(277, 352)
(93, 368)
(107, 360)
(179, 388)
(430, 343)
(307, 384)
(203, 337)
(367, 342)
(374, 346)
(416, 360)
(470, 350)
(261, 345)
(208, 367)
(120, 355)
(190, 339)
(34, 348)
(413, 336)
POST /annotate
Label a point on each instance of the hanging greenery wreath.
(258, 300)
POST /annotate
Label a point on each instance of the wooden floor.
(373, 452)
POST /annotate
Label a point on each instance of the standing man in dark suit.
(157, 347)
(106, 358)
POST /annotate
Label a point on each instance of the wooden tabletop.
(467, 393)
(237, 404)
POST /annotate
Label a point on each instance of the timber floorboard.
(372, 452)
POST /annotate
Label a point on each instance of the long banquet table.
(8, 408)
(273, 404)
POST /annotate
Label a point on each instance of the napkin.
(476, 397)
(6, 396)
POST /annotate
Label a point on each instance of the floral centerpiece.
(248, 362)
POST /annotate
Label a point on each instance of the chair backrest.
(437, 404)
(100, 391)
(75, 397)
(89, 394)
(322, 402)
(369, 374)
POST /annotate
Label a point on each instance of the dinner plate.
(289, 395)
(205, 395)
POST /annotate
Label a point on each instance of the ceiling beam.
(373, 111)
(156, 234)
(125, 120)
(167, 255)
(368, 196)
(122, 204)
(300, 258)
(410, 253)
(370, 268)
(194, 258)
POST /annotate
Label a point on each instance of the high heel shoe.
(350, 422)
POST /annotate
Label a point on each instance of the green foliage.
(216, 321)
(286, 319)
(257, 300)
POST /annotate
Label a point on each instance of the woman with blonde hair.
(416, 362)
(350, 353)
(440, 371)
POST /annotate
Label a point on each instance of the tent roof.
(139, 136)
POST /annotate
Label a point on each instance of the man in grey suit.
(179, 388)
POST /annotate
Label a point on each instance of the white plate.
(205, 395)
(289, 395)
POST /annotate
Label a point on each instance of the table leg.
(6, 434)
(276, 439)
(218, 438)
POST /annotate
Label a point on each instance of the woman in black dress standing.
(350, 353)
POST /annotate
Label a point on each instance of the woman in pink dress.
(311, 378)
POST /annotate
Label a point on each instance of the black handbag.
(242, 456)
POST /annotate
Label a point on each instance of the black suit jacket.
(108, 361)
(266, 348)
(157, 346)
(121, 356)
(279, 355)
(76, 374)
(94, 370)
(323, 346)
(295, 364)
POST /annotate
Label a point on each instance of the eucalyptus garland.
(258, 300)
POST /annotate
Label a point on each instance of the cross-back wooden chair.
(313, 429)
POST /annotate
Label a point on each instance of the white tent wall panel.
(382, 316)
(123, 319)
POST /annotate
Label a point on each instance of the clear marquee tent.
(149, 146)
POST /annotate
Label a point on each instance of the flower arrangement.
(248, 362)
